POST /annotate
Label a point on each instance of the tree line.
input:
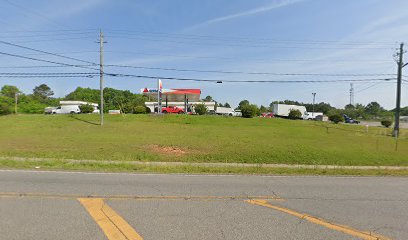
(128, 102)
(42, 97)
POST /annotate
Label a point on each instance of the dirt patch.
(168, 150)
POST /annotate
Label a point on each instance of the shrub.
(294, 114)
(386, 123)
(5, 105)
(336, 118)
(249, 111)
(139, 110)
(200, 109)
(148, 110)
(86, 108)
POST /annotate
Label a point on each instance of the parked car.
(172, 109)
(347, 119)
(267, 115)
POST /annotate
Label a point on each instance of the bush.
(148, 110)
(86, 108)
(200, 109)
(249, 111)
(5, 105)
(386, 123)
(336, 118)
(139, 110)
(294, 114)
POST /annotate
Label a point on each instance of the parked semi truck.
(283, 110)
(227, 111)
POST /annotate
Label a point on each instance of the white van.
(67, 109)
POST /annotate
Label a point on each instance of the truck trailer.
(283, 110)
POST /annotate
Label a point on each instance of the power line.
(373, 85)
(39, 66)
(55, 39)
(242, 45)
(250, 73)
(250, 81)
(256, 60)
(45, 52)
(49, 35)
(55, 73)
(34, 12)
(47, 76)
(247, 39)
(47, 61)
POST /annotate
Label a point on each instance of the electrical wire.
(47, 61)
(249, 73)
(45, 52)
(251, 59)
(240, 45)
(249, 81)
(39, 66)
(247, 39)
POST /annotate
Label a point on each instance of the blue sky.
(276, 36)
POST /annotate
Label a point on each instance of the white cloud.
(272, 6)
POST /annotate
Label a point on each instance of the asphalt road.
(66, 205)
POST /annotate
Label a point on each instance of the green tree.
(86, 108)
(294, 114)
(208, 99)
(243, 103)
(139, 110)
(84, 94)
(227, 105)
(6, 104)
(263, 109)
(373, 108)
(386, 123)
(9, 91)
(349, 107)
(200, 109)
(249, 110)
(42, 92)
(336, 118)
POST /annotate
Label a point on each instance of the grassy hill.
(198, 139)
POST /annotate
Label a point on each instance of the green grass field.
(198, 139)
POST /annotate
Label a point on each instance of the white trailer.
(71, 107)
(283, 110)
(228, 111)
(223, 110)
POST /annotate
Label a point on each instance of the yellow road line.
(113, 225)
(324, 223)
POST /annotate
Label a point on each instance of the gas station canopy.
(174, 95)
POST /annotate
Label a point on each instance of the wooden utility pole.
(101, 73)
(399, 80)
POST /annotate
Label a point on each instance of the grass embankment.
(195, 139)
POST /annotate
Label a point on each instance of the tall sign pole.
(399, 76)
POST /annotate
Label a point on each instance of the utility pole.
(314, 97)
(399, 76)
(101, 73)
(351, 94)
(15, 102)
